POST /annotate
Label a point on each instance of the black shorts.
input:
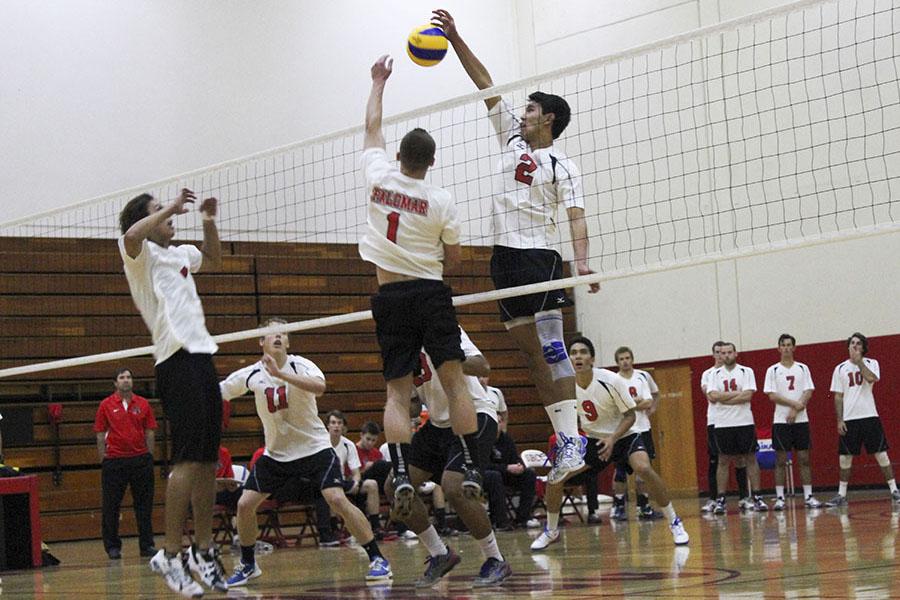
(188, 389)
(868, 432)
(622, 449)
(648, 443)
(711, 446)
(790, 436)
(511, 267)
(437, 449)
(296, 480)
(734, 441)
(410, 315)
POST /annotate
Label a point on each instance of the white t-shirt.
(289, 415)
(859, 401)
(164, 292)
(347, 454)
(530, 186)
(705, 381)
(407, 221)
(431, 392)
(602, 404)
(499, 398)
(740, 378)
(790, 384)
(639, 389)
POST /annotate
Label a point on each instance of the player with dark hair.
(160, 278)
(412, 235)
(858, 423)
(298, 453)
(536, 178)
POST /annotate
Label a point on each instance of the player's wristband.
(208, 217)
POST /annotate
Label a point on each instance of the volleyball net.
(779, 129)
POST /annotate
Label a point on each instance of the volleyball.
(427, 45)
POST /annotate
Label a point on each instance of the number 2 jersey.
(531, 185)
(603, 403)
(289, 415)
(408, 221)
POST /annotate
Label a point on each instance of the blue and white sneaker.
(244, 573)
(570, 453)
(492, 572)
(679, 535)
(379, 570)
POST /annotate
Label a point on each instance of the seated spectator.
(372, 461)
(506, 469)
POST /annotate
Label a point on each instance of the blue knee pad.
(549, 327)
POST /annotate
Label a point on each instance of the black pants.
(379, 471)
(116, 475)
(495, 483)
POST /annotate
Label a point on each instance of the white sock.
(892, 483)
(779, 491)
(669, 511)
(807, 491)
(842, 488)
(553, 521)
(564, 417)
(489, 547)
(432, 541)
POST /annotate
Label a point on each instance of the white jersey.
(347, 454)
(431, 392)
(859, 401)
(651, 383)
(408, 221)
(602, 404)
(639, 389)
(791, 384)
(530, 187)
(289, 415)
(164, 292)
(499, 398)
(738, 379)
(705, 384)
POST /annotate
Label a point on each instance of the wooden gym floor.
(822, 553)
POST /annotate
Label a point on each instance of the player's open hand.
(210, 207)
(382, 68)
(585, 270)
(842, 428)
(185, 197)
(604, 448)
(444, 20)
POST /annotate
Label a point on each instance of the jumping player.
(536, 177)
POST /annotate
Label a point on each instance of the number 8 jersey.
(531, 185)
(289, 415)
(408, 221)
(602, 404)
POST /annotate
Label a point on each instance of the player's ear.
(398, 157)
(431, 164)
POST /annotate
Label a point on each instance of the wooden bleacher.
(61, 298)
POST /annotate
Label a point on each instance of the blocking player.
(731, 389)
(858, 423)
(298, 453)
(436, 454)
(537, 177)
(789, 385)
(606, 411)
(160, 278)
(412, 235)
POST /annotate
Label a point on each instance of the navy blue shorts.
(512, 267)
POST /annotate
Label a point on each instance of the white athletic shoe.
(532, 523)
(679, 534)
(175, 572)
(569, 458)
(779, 504)
(709, 507)
(812, 502)
(546, 538)
(208, 567)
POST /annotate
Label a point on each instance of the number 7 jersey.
(408, 221)
(289, 415)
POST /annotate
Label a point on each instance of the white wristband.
(208, 217)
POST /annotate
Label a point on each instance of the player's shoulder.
(297, 362)
(607, 376)
(743, 369)
(844, 364)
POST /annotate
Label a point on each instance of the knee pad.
(882, 459)
(621, 475)
(549, 327)
(846, 460)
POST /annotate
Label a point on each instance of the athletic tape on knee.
(882, 459)
(846, 461)
(549, 326)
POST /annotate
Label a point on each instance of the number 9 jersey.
(408, 221)
(603, 403)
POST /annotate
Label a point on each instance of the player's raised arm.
(381, 70)
(476, 71)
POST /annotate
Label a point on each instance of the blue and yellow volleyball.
(427, 45)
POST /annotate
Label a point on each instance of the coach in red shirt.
(125, 438)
